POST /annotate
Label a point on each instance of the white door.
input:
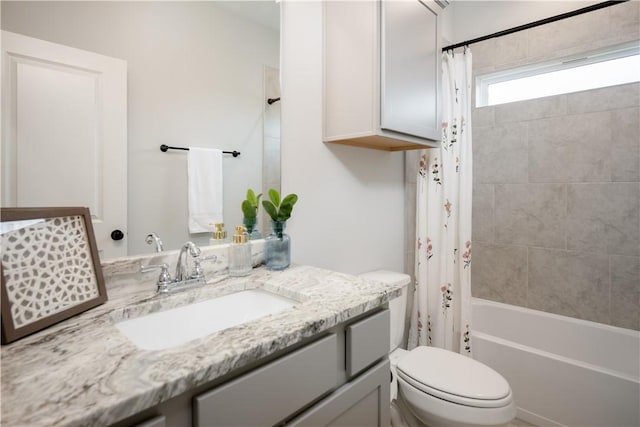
(64, 133)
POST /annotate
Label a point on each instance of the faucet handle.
(151, 267)
(164, 279)
(197, 272)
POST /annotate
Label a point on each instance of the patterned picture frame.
(50, 268)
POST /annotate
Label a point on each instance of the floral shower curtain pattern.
(441, 311)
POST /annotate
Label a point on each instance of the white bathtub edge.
(543, 353)
(617, 329)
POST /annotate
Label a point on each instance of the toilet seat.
(455, 378)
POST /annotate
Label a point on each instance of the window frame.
(483, 81)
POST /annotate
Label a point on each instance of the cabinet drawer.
(271, 393)
(367, 341)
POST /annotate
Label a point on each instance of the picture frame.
(50, 268)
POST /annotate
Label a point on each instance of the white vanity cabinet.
(340, 378)
(382, 74)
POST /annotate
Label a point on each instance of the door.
(64, 133)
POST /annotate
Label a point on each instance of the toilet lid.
(454, 377)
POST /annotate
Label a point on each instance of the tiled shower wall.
(556, 197)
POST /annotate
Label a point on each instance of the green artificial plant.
(250, 205)
(279, 210)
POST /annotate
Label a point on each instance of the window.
(613, 66)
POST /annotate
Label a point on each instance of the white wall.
(350, 216)
(195, 78)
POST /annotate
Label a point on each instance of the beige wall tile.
(530, 214)
(569, 283)
(510, 48)
(483, 116)
(500, 154)
(625, 145)
(550, 106)
(546, 215)
(608, 98)
(604, 218)
(570, 149)
(625, 19)
(482, 226)
(511, 214)
(483, 55)
(625, 292)
(581, 30)
(499, 273)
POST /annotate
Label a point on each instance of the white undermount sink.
(171, 328)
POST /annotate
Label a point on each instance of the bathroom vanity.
(321, 362)
(338, 379)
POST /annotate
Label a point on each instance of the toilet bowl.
(438, 387)
(443, 388)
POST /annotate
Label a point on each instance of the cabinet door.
(350, 74)
(367, 341)
(361, 402)
(410, 55)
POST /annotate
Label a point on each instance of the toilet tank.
(397, 306)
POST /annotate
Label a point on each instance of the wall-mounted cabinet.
(382, 74)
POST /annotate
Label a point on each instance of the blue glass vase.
(278, 249)
(251, 224)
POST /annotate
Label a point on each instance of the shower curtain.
(441, 311)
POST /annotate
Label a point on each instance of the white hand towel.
(205, 189)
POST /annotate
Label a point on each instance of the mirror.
(198, 75)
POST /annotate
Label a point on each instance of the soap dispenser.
(219, 236)
(240, 254)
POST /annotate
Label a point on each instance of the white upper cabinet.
(382, 74)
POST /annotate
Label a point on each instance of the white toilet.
(440, 387)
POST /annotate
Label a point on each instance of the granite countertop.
(83, 371)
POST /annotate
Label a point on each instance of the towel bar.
(164, 149)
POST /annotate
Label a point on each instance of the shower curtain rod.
(535, 23)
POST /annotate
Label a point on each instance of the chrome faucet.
(182, 269)
(185, 278)
(154, 238)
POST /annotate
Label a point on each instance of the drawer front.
(269, 394)
(367, 341)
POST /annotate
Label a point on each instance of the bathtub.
(563, 371)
